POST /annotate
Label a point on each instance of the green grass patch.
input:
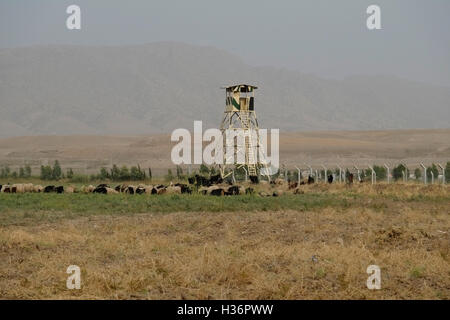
(19, 209)
(417, 272)
(32, 208)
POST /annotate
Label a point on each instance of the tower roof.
(241, 87)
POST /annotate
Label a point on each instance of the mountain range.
(158, 87)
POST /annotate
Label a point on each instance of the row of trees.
(135, 173)
(432, 170)
(24, 172)
(51, 173)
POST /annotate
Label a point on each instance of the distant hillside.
(88, 153)
(158, 87)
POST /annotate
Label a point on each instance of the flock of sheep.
(206, 186)
(177, 188)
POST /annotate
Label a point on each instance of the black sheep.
(140, 190)
(233, 190)
(202, 181)
(215, 179)
(217, 192)
(184, 188)
(330, 178)
(254, 179)
(101, 190)
(49, 189)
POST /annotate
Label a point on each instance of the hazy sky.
(324, 37)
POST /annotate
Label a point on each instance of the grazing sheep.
(111, 191)
(202, 181)
(158, 189)
(184, 188)
(105, 190)
(101, 190)
(212, 190)
(254, 179)
(59, 189)
(277, 193)
(130, 189)
(173, 190)
(232, 191)
(148, 189)
(18, 188)
(28, 187)
(217, 192)
(330, 178)
(38, 189)
(69, 190)
(217, 179)
(49, 189)
(140, 190)
(161, 190)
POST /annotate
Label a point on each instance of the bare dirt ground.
(346, 148)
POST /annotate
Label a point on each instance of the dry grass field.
(315, 245)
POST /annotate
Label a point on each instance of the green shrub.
(397, 173)
(447, 172)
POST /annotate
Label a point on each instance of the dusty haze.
(159, 87)
(86, 154)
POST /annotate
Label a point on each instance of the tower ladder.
(251, 161)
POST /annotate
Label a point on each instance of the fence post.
(443, 173)
(424, 173)
(388, 173)
(299, 174)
